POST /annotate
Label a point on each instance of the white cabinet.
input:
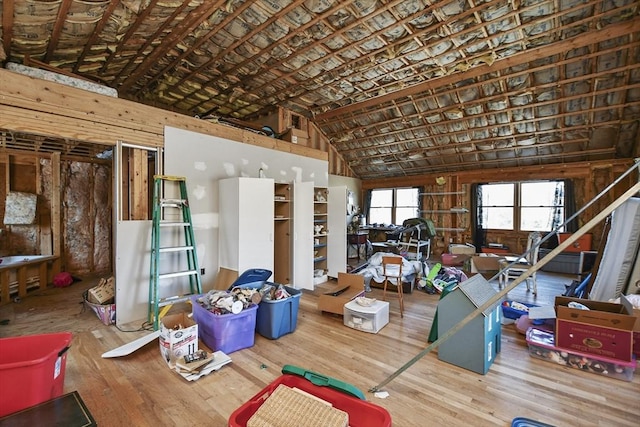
(246, 223)
(320, 234)
(337, 226)
(303, 240)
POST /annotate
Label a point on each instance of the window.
(393, 205)
(497, 206)
(531, 205)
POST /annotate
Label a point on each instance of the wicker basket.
(292, 407)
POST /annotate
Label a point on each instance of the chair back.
(421, 228)
(392, 266)
(533, 241)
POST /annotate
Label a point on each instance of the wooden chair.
(522, 264)
(392, 272)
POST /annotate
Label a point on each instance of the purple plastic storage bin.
(225, 332)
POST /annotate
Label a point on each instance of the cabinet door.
(337, 225)
(246, 223)
(303, 235)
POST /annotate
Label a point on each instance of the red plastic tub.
(361, 413)
(32, 370)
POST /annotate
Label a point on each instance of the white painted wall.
(204, 159)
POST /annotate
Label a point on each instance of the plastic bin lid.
(526, 422)
(324, 381)
(252, 277)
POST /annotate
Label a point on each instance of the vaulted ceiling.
(399, 87)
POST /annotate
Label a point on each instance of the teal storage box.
(278, 317)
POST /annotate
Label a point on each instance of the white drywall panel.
(205, 159)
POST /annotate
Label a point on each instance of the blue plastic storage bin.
(274, 318)
(278, 317)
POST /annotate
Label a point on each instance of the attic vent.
(295, 121)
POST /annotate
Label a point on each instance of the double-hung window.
(393, 205)
(522, 206)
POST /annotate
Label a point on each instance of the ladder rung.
(176, 248)
(174, 224)
(172, 202)
(177, 274)
(170, 177)
(173, 300)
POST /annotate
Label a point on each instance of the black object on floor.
(65, 411)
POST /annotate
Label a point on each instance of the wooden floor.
(139, 390)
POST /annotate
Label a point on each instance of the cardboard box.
(103, 292)
(349, 287)
(225, 279)
(636, 334)
(487, 265)
(606, 329)
(178, 336)
(296, 136)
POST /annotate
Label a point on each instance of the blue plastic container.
(225, 332)
(512, 313)
(278, 317)
(253, 278)
(275, 318)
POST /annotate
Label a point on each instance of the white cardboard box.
(367, 319)
(178, 336)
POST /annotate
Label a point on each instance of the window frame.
(518, 204)
(394, 203)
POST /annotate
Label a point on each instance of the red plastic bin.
(32, 370)
(361, 413)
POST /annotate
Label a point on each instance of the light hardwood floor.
(139, 390)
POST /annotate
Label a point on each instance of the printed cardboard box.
(606, 329)
(178, 336)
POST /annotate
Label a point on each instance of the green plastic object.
(324, 381)
(433, 273)
(433, 334)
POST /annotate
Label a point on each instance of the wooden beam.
(122, 41)
(104, 20)
(63, 9)
(33, 106)
(560, 47)
(138, 184)
(56, 197)
(7, 28)
(169, 42)
(581, 170)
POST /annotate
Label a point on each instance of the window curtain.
(569, 206)
(479, 234)
(367, 204)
